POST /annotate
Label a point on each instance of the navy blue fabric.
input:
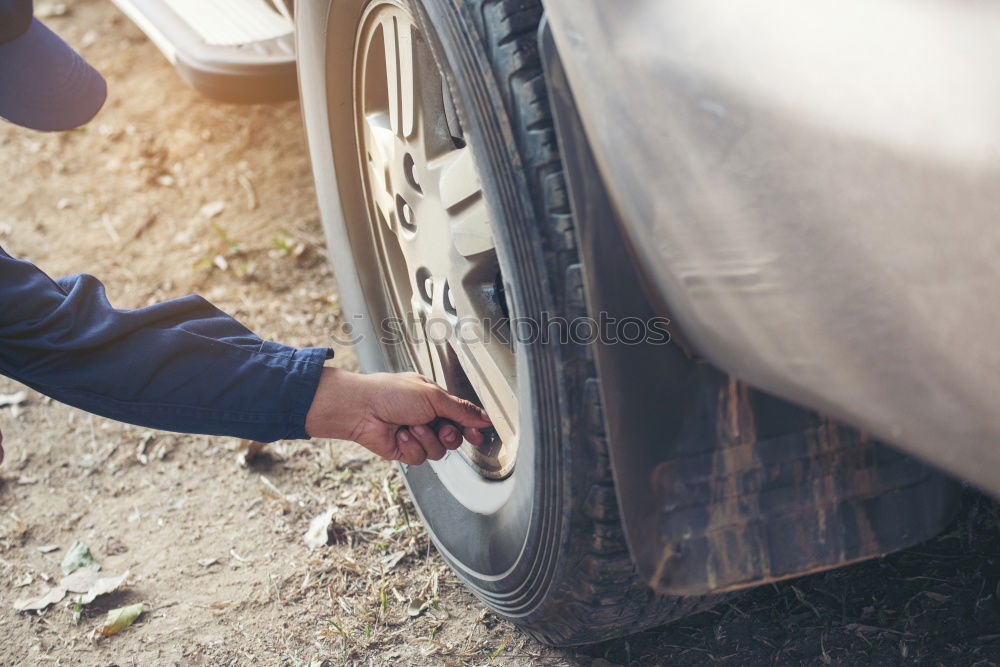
(46, 85)
(15, 18)
(182, 365)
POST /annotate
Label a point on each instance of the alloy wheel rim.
(431, 230)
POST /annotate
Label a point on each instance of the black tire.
(552, 557)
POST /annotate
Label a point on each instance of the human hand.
(399, 416)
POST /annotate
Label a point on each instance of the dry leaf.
(91, 584)
(49, 597)
(249, 449)
(269, 490)
(247, 186)
(212, 209)
(318, 534)
(80, 581)
(20, 528)
(77, 557)
(392, 560)
(119, 619)
(140, 449)
(417, 607)
(13, 399)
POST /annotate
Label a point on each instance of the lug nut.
(408, 214)
(429, 288)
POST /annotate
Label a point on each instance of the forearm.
(182, 365)
(342, 401)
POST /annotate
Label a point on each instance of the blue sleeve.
(182, 365)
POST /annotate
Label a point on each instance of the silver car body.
(814, 191)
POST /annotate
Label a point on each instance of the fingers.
(458, 410)
(419, 443)
(474, 436)
(449, 435)
(410, 451)
(433, 448)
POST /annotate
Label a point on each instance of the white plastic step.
(232, 22)
(230, 50)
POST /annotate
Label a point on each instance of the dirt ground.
(166, 194)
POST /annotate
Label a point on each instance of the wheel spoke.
(381, 152)
(490, 370)
(462, 196)
(470, 229)
(398, 37)
(417, 340)
(488, 365)
(379, 137)
(407, 87)
(392, 68)
(458, 178)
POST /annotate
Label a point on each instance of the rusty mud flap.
(720, 486)
(754, 490)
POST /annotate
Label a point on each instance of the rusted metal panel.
(753, 492)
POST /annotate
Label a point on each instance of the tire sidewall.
(538, 502)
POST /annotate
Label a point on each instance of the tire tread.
(598, 595)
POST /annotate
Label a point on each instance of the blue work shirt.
(182, 365)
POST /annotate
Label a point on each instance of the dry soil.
(167, 193)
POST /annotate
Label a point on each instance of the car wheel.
(443, 197)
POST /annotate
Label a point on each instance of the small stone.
(47, 10)
(212, 209)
